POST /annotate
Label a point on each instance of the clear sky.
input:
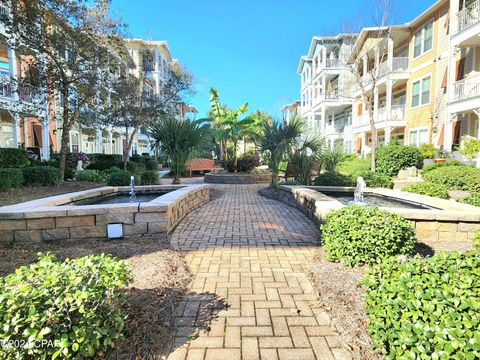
(249, 49)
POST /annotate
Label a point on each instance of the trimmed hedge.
(374, 179)
(13, 158)
(136, 167)
(89, 175)
(41, 175)
(10, 178)
(360, 235)
(455, 177)
(334, 179)
(426, 308)
(149, 177)
(74, 306)
(121, 178)
(392, 158)
(434, 166)
(428, 188)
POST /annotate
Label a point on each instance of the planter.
(428, 162)
(79, 165)
(238, 178)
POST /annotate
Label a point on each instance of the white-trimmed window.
(417, 137)
(421, 91)
(423, 39)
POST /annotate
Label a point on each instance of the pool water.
(120, 198)
(377, 200)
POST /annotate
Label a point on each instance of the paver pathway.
(250, 298)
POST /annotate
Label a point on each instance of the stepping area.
(250, 297)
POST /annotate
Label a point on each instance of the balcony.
(466, 95)
(468, 26)
(332, 63)
(6, 90)
(397, 113)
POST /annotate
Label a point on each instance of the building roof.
(153, 44)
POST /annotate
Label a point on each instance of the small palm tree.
(179, 140)
(304, 156)
(332, 159)
(278, 138)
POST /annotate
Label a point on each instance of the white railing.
(6, 90)
(466, 88)
(468, 16)
(332, 63)
(398, 64)
(331, 95)
(397, 113)
(3, 11)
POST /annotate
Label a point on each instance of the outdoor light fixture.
(114, 231)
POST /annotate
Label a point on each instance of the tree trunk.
(65, 136)
(235, 157)
(129, 141)
(374, 138)
(244, 145)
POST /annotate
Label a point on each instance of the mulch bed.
(160, 281)
(23, 194)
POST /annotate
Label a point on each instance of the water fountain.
(133, 197)
(359, 190)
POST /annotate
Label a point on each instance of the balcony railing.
(332, 63)
(6, 90)
(397, 113)
(3, 11)
(468, 16)
(466, 88)
(398, 64)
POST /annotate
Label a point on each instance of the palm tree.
(304, 156)
(278, 137)
(178, 139)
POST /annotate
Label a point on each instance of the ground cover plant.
(426, 308)
(428, 188)
(455, 177)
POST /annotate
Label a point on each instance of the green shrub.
(102, 165)
(136, 167)
(472, 199)
(10, 178)
(360, 235)
(428, 168)
(331, 160)
(333, 179)
(13, 158)
(476, 241)
(427, 151)
(41, 175)
(374, 179)
(151, 164)
(428, 188)
(69, 170)
(74, 306)
(139, 159)
(470, 147)
(112, 158)
(245, 162)
(90, 175)
(121, 178)
(426, 308)
(150, 177)
(455, 177)
(392, 158)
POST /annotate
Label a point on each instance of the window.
(423, 39)
(418, 137)
(421, 92)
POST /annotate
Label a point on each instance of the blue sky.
(248, 49)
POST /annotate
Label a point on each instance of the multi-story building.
(380, 64)
(24, 119)
(289, 111)
(463, 108)
(30, 114)
(326, 99)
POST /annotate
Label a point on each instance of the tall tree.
(66, 37)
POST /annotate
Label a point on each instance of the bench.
(201, 164)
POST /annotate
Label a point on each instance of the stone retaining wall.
(451, 221)
(238, 178)
(24, 223)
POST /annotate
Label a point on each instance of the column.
(324, 57)
(157, 71)
(375, 104)
(12, 63)
(324, 87)
(110, 141)
(389, 54)
(389, 101)
(80, 140)
(324, 119)
(25, 130)
(99, 141)
(388, 135)
(45, 139)
(365, 66)
(15, 130)
(364, 143)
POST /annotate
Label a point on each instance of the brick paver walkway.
(250, 298)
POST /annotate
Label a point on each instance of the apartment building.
(380, 62)
(421, 78)
(24, 115)
(326, 82)
(463, 107)
(289, 111)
